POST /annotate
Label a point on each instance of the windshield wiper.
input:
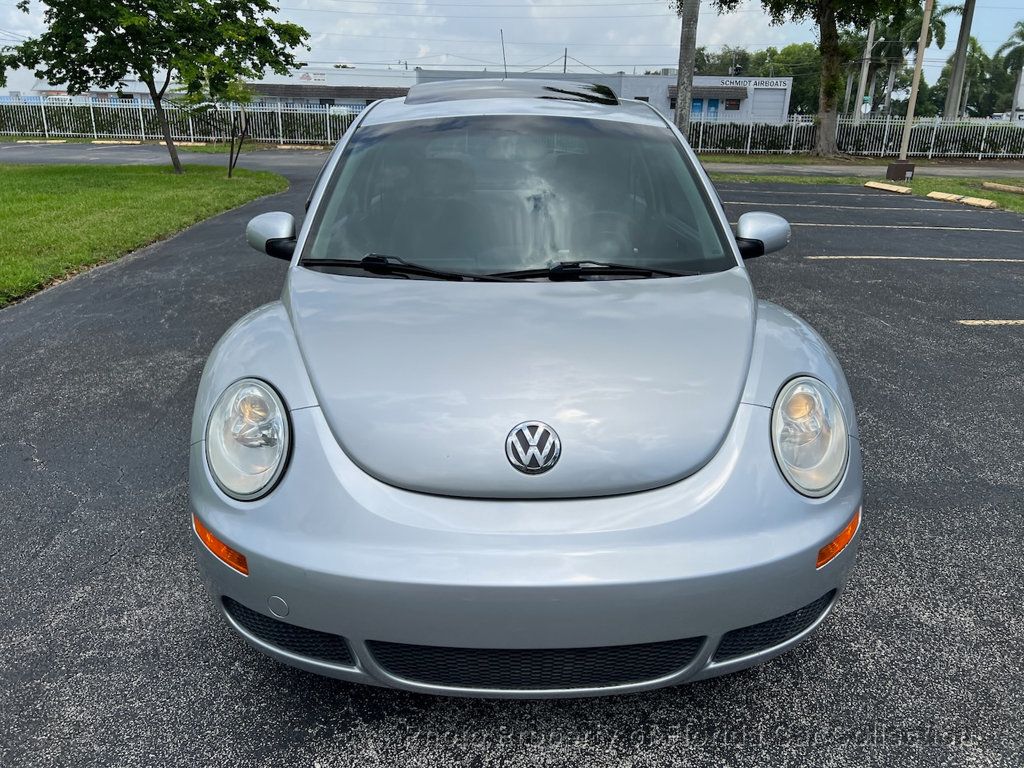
(379, 264)
(574, 270)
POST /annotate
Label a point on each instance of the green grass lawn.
(57, 219)
(776, 159)
(739, 158)
(213, 147)
(921, 185)
(8, 139)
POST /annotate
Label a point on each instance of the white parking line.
(776, 193)
(991, 322)
(907, 226)
(844, 207)
(917, 258)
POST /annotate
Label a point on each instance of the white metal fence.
(324, 125)
(876, 136)
(138, 121)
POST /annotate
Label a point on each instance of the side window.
(318, 179)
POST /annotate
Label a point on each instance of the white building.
(330, 86)
(732, 99)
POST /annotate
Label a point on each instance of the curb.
(887, 187)
(1002, 187)
(977, 202)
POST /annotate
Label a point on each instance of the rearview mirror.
(758, 233)
(272, 234)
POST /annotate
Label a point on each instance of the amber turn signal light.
(220, 550)
(838, 544)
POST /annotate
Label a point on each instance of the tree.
(802, 62)
(204, 104)
(1012, 53)
(900, 40)
(729, 60)
(829, 16)
(688, 11)
(197, 43)
(1012, 50)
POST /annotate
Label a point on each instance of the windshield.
(486, 195)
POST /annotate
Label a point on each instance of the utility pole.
(890, 84)
(922, 43)
(565, 60)
(951, 109)
(688, 11)
(864, 73)
(962, 109)
(1017, 103)
(504, 62)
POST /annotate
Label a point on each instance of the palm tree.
(1012, 52)
(901, 35)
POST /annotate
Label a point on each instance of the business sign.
(753, 82)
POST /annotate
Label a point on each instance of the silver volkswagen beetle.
(518, 425)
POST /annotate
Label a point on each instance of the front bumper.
(729, 547)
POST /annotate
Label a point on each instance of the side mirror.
(758, 233)
(272, 234)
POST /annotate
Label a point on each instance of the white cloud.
(606, 35)
(603, 34)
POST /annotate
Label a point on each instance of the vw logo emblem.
(533, 447)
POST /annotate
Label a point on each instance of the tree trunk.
(688, 10)
(232, 132)
(165, 127)
(831, 64)
(956, 78)
(890, 84)
(242, 135)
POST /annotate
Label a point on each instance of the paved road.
(150, 154)
(114, 656)
(1011, 169)
(283, 161)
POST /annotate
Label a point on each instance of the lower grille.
(534, 669)
(767, 634)
(310, 643)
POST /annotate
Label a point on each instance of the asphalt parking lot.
(114, 656)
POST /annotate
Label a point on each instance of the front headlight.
(809, 436)
(247, 439)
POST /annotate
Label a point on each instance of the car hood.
(421, 380)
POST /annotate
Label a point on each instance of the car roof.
(514, 96)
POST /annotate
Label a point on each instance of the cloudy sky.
(601, 34)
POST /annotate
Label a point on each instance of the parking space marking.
(991, 322)
(917, 258)
(776, 193)
(845, 207)
(907, 226)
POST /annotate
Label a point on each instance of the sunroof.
(560, 90)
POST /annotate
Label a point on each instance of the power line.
(586, 65)
(503, 5)
(453, 17)
(542, 66)
(577, 44)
